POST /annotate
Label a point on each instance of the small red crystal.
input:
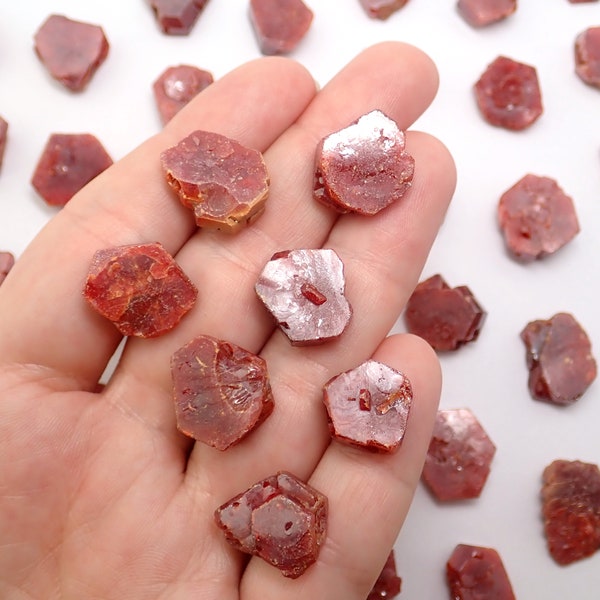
(388, 583)
(559, 358)
(571, 510)
(71, 50)
(479, 13)
(476, 573)
(382, 9)
(363, 168)
(508, 94)
(140, 288)
(177, 17)
(7, 261)
(3, 138)
(281, 519)
(587, 56)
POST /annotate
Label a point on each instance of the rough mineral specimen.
(587, 56)
(508, 94)
(279, 25)
(388, 583)
(177, 17)
(72, 51)
(67, 163)
(281, 519)
(445, 317)
(222, 392)
(3, 138)
(382, 9)
(476, 573)
(304, 291)
(559, 358)
(363, 168)
(223, 182)
(479, 13)
(369, 406)
(176, 87)
(571, 509)
(536, 218)
(140, 288)
(7, 261)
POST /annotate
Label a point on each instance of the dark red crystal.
(559, 358)
(364, 167)
(281, 519)
(177, 17)
(140, 288)
(222, 392)
(68, 162)
(508, 94)
(304, 291)
(71, 50)
(388, 583)
(587, 56)
(7, 261)
(382, 9)
(3, 138)
(479, 13)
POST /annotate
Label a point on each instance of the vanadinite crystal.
(281, 519)
(68, 162)
(177, 17)
(459, 456)
(587, 56)
(304, 291)
(382, 9)
(508, 94)
(571, 509)
(71, 50)
(279, 25)
(221, 391)
(443, 316)
(3, 138)
(559, 358)
(140, 288)
(480, 13)
(223, 182)
(364, 167)
(176, 87)
(369, 406)
(388, 583)
(476, 573)
(536, 217)
(7, 261)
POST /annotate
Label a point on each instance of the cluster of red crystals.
(71, 50)
(279, 25)
(177, 17)
(388, 583)
(382, 9)
(281, 519)
(479, 13)
(140, 288)
(587, 56)
(369, 406)
(443, 316)
(3, 138)
(477, 573)
(364, 167)
(176, 86)
(536, 217)
(304, 291)
(67, 163)
(7, 261)
(508, 94)
(223, 182)
(459, 456)
(559, 358)
(221, 391)
(571, 509)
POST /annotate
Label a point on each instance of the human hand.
(100, 495)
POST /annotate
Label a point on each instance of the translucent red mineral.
(304, 291)
(364, 167)
(571, 510)
(369, 406)
(388, 583)
(67, 163)
(140, 288)
(445, 317)
(177, 17)
(587, 56)
(221, 391)
(477, 573)
(71, 50)
(536, 218)
(3, 138)
(479, 13)
(279, 25)
(7, 261)
(224, 183)
(382, 9)
(281, 519)
(559, 358)
(508, 94)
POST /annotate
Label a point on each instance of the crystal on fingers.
(7, 261)
(388, 583)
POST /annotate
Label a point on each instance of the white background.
(489, 376)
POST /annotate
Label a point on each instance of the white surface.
(488, 376)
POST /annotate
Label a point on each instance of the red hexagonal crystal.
(7, 261)
(71, 50)
(369, 406)
(382, 9)
(477, 573)
(508, 94)
(559, 358)
(459, 456)
(479, 13)
(363, 168)
(587, 56)
(3, 138)
(222, 392)
(388, 583)
(177, 17)
(68, 162)
(281, 519)
(140, 288)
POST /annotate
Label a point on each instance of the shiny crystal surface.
(382, 9)
(587, 56)
(177, 17)
(479, 13)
